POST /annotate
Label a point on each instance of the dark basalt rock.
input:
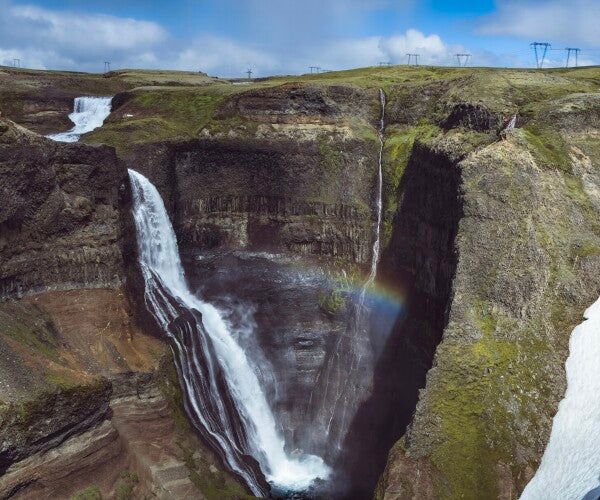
(63, 214)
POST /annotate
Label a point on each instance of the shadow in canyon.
(419, 266)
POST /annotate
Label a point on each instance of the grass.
(89, 493)
(126, 486)
(160, 114)
(29, 326)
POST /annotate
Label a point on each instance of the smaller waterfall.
(512, 122)
(88, 114)
(379, 203)
(224, 398)
(348, 373)
(570, 467)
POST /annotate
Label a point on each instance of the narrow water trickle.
(88, 114)
(348, 375)
(224, 398)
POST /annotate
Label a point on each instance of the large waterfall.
(570, 467)
(88, 114)
(224, 398)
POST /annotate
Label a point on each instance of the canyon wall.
(491, 252)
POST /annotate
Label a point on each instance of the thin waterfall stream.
(224, 398)
(348, 373)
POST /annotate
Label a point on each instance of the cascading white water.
(379, 203)
(570, 467)
(221, 355)
(88, 114)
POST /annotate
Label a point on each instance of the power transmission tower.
(385, 63)
(462, 59)
(106, 66)
(16, 62)
(313, 69)
(249, 73)
(575, 51)
(543, 47)
(416, 58)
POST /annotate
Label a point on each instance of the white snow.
(570, 466)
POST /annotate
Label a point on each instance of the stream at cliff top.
(224, 397)
(88, 114)
(570, 466)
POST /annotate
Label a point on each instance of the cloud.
(44, 38)
(573, 22)
(223, 56)
(296, 36)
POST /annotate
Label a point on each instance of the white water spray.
(570, 467)
(161, 266)
(88, 114)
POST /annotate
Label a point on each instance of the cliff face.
(86, 396)
(61, 217)
(289, 168)
(526, 267)
(491, 251)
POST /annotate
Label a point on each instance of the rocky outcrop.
(526, 267)
(103, 411)
(63, 214)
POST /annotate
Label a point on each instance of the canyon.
(401, 268)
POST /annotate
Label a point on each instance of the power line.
(576, 51)
(462, 59)
(415, 57)
(106, 66)
(543, 47)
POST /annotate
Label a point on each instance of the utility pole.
(459, 59)
(543, 48)
(249, 73)
(416, 58)
(106, 66)
(575, 51)
(16, 62)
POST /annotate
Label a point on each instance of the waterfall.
(224, 399)
(348, 373)
(378, 205)
(570, 467)
(88, 114)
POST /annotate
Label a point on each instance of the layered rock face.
(281, 177)
(288, 168)
(86, 404)
(527, 265)
(491, 251)
(61, 217)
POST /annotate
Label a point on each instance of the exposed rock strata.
(63, 211)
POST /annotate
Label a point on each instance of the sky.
(227, 37)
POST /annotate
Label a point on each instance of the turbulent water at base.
(570, 467)
(347, 377)
(224, 398)
(88, 114)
